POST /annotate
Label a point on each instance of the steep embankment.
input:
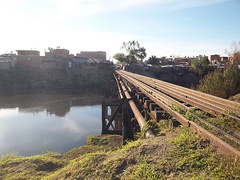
(173, 154)
(38, 80)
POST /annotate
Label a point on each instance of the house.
(29, 61)
(57, 58)
(4, 64)
(223, 60)
(100, 55)
(7, 60)
(58, 53)
(183, 61)
(28, 53)
(165, 60)
(29, 58)
(49, 63)
(215, 59)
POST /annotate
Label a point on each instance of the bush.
(200, 65)
(222, 84)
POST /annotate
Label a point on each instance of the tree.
(120, 57)
(200, 65)
(153, 60)
(234, 53)
(222, 84)
(134, 51)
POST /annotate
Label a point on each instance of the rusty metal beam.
(141, 121)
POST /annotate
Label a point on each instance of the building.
(183, 61)
(57, 58)
(28, 53)
(215, 59)
(223, 60)
(100, 55)
(4, 64)
(57, 53)
(49, 63)
(7, 61)
(29, 58)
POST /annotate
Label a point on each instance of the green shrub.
(222, 84)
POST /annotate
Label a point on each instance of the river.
(39, 123)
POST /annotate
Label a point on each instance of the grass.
(193, 157)
(17, 167)
(222, 122)
(179, 154)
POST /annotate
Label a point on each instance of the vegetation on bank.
(222, 83)
(200, 65)
(173, 154)
(38, 80)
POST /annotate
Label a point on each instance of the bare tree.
(234, 53)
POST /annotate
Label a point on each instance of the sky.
(162, 27)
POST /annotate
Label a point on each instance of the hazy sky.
(163, 27)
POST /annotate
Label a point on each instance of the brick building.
(215, 59)
(182, 61)
(29, 58)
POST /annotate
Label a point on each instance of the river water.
(38, 123)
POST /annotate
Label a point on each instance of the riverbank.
(173, 154)
(23, 81)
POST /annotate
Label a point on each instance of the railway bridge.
(139, 98)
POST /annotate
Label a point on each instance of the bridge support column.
(112, 116)
(127, 124)
(104, 130)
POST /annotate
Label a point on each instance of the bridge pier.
(124, 110)
(127, 124)
(116, 119)
(112, 116)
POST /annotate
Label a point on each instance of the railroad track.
(195, 109)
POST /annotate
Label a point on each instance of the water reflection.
(58, 105)
(33, 124)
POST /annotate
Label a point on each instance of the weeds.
(224, 123)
